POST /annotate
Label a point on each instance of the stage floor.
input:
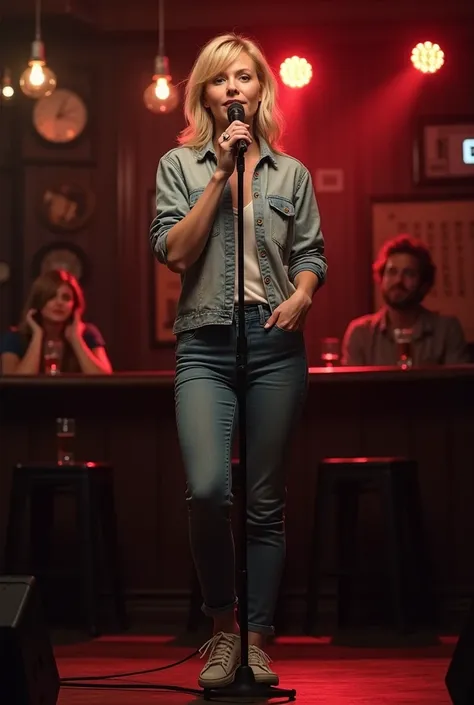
(322, 673)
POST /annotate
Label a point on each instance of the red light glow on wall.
(296, 72)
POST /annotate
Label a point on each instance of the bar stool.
(396, 482)
(92, 485)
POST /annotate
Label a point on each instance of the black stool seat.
(395, 479)
(92, 485)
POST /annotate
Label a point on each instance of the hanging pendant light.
(6, 85)
(37, 80)
(161, 96)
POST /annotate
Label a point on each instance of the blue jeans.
(206, 411)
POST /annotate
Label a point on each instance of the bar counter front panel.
(128, 420)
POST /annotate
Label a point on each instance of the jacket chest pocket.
(282, 216)
(194, 196)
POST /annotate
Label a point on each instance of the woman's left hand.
(75, 329)
(291, 314)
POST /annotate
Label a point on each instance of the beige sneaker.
(224, 657)
(259, 662)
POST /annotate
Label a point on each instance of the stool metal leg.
(14, 534)
(392, 509)
(87, 535)
(425, 603)
(109, 531)
(323, 487)
(347, 511)
(41, 526)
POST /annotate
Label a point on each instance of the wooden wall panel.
(358, 114)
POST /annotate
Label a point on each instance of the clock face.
(61, 255)
(60, 117)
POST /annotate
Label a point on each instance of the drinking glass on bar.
(330, 351)
(403, 338)
(65, 436)
(52, 354)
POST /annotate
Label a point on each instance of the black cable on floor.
(108, 676)
(133, 686)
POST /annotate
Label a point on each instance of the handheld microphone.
(236, 111)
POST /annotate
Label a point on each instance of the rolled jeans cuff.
(211, 611)
(261, 629)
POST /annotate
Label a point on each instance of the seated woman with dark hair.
(53, 315)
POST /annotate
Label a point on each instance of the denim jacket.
(287, 230)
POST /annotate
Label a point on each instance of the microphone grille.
(235, 111)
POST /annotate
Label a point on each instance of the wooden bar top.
(317, 375)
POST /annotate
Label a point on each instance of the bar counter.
(128, 420)
(317, 375)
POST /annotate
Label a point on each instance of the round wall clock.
(61, 255)
(66, 207)
(61, 117)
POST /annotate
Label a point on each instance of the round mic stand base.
(245, 686)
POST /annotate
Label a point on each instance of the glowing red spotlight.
(296, 72)
(427, 57)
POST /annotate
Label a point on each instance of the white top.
(253, 285)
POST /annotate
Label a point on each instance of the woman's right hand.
(35, 327)
(226, 154)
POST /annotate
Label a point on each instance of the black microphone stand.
(244, 685)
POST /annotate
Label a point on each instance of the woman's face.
(59, 309)
(239, 82)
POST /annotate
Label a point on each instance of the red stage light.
(296, 72)
(427, 57)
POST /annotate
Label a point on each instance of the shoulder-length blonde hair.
(215, 57)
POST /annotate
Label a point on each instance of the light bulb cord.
(38, 20)
(161, 28)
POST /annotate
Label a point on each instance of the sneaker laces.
(220, 646)
(260, 658)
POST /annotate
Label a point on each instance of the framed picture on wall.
(444, 151)
(446, 225)
(65, 207)
(165, 290)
